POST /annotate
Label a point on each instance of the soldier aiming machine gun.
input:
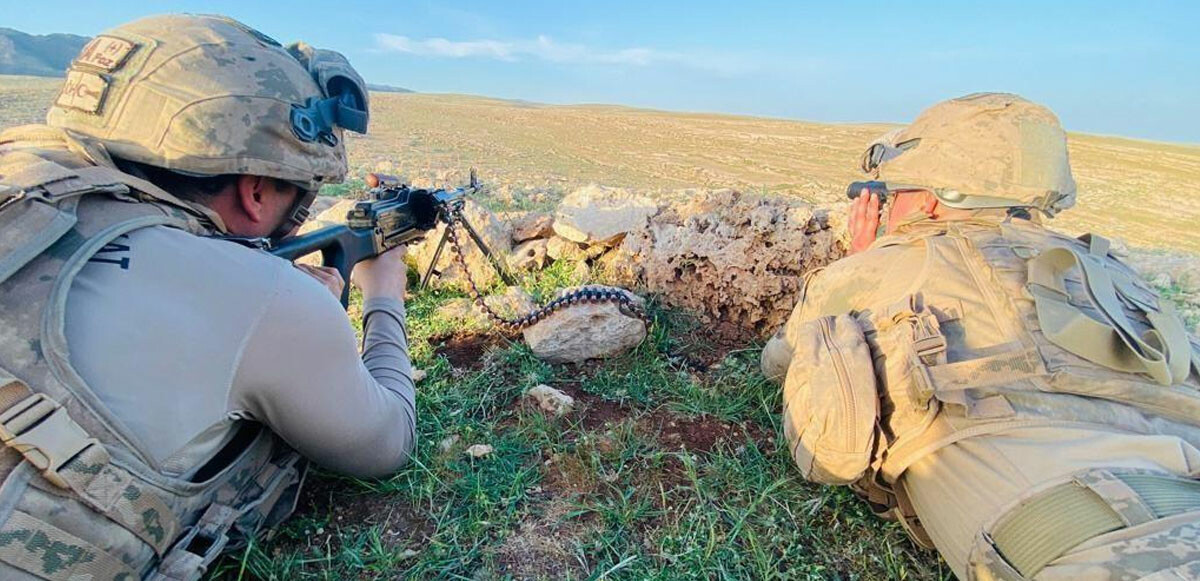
(397, 214)
(393, 215)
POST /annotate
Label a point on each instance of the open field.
(1143, 192)
(670, 467)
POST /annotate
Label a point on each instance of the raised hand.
(864, 221)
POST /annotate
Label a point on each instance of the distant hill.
(387, 89)
(42, 55)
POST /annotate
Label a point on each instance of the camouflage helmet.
(207, 95)
(984, 150)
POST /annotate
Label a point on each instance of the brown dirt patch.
(465, 351)
(697, 434)
(596, 412)
(348, 510)
(707, 345)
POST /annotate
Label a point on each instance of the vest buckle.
(40, 430)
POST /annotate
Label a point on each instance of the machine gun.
(393, 215)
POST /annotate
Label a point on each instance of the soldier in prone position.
(157, 378)
(1018, 399)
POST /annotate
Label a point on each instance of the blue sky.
(1127, 68)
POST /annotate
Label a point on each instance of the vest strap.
(44, 550)
(39, 429)
(1048, 525)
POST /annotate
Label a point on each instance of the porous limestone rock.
(495, 234)
(598, 215)
(559, 248)
(529, 255)
(551, 400)
(585, 331)
(531, 226)
(727, 255)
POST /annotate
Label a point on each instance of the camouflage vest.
(998, 337)
(1002, 325)
(79, 500)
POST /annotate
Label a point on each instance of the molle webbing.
(33, 545)
(1046, 526)
(1163, 352)
(39, 429)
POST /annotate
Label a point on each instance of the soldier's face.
(279, 200)
(905, 203)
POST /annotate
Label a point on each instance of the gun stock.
(340, 246)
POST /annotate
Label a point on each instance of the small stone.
(551, 400)
(408, 554)
(419, 375)
(448, 442)
(478, 450)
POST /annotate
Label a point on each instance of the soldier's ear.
(250, 191)
(929, 205)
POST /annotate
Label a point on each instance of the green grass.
(661, 472)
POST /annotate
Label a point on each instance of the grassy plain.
(670, 467)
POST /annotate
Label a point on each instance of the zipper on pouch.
(847, 391)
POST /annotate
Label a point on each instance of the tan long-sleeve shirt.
(181, 335)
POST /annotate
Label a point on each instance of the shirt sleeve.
(300, 374)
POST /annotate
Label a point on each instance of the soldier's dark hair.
(199, 189)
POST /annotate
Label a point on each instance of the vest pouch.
(830, 401)
(28, 226)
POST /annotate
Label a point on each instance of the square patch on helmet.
(106, 53)
(83, 90)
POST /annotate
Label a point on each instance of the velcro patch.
(106, 53)
(83, 90)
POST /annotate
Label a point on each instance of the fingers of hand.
(857, 212)
(328, 277)
(330, 272)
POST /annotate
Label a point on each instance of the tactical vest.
(79, 499)
(1007, 325)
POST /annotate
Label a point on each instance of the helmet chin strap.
(296, 215)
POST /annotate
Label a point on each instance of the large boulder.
(727, 255)
(531, 226)
(585, 331)
(598, 215)
(495, 234)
